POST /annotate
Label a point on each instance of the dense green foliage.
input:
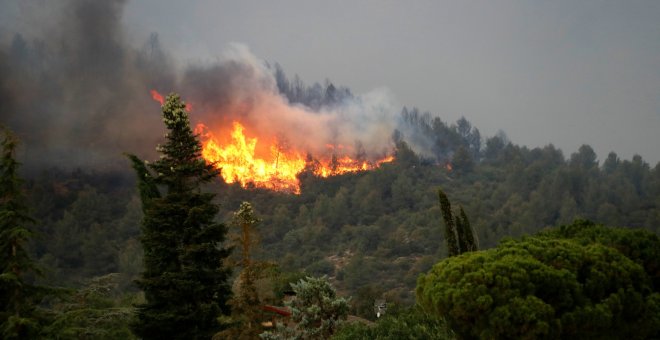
(380, 227)
(18, 296)
(577, 285)
(458, 232)
(373, 232)
(316, 311)
(409, 324)
(184, 280)
(98, 310)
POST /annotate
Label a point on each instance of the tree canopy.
(548, 286)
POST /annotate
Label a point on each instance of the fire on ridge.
(269, 162)
(240, 161)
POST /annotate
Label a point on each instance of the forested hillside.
(371, 232)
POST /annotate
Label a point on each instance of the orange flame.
(269, 165)
(239, 160)
(157, 97)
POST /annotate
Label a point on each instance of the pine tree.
(185, 282)
(246, 305)
(19, 298)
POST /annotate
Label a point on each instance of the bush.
(409, 324)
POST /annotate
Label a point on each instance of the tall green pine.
(18, 297)
(185, 282)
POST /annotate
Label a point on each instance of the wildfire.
(266, 162)
(157, 97)
(239, 161)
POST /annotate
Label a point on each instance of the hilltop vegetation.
(376, 229)
(373, 233)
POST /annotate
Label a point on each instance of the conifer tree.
(18, 297)
(185, 282)
(450, 228)
(458, 232)
(246, 305)
(470, 242)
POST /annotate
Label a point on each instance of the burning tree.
(185, 283)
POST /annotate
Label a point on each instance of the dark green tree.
(468, 234)
(19, 318)
(450, 227)
(549, 287)
(458, 232)
(91, 312)
(462, 161)
(184, 279)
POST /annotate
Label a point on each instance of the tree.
(545, 287)
(246, 305)
(92, 312)
(450, 227)
(316, 311)
(462, 160)
(184, 279)
(458, 232)
(19, 318)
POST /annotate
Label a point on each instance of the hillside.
(375, 230)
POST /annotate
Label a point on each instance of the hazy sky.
(562, 72)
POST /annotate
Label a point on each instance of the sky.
(561, 72)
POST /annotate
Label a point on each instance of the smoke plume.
(76, 91)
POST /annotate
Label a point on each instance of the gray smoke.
(76, 91)
(71, 87)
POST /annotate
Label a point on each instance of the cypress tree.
(185, 282)
(458, 232)
(19, 298)
(470, 243)
(450, 228)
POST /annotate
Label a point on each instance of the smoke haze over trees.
(74, 86)
(76, 90)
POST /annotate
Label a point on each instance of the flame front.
(276, 169)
